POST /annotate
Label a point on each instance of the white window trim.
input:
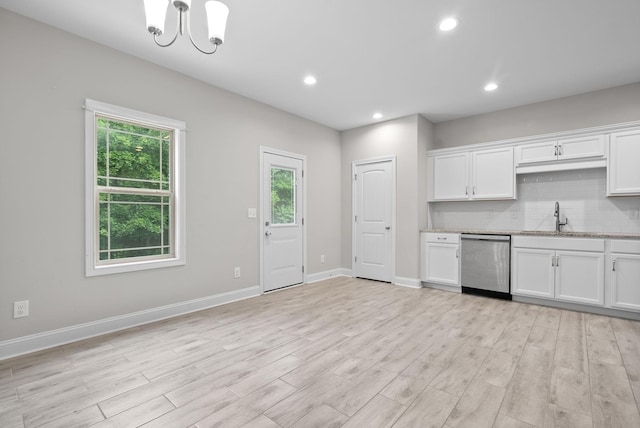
(92, 268)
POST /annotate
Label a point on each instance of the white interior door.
(373, 211)
(282, 234)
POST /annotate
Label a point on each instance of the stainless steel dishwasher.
(486, 262)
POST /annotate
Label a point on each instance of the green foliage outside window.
(282, 196)
(132, 156)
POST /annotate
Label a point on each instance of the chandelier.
(156, 13)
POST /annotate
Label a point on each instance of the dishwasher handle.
(486, 237)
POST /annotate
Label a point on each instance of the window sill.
(133, 266)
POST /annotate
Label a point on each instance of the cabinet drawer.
(624, 246)
(559, 243)
(443, 238)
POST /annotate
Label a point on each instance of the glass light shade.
(217, 14)
(182, 4)
(156, 13)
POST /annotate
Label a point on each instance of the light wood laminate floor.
(342, 352)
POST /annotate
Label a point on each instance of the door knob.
(267, 233)
(266, 223)
(387, 227)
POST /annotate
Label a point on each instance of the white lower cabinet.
(440, 262)
(532, 272)
(625, 275)
(564, 269)
(580, 277)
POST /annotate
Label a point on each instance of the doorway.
(282, 219)
(373, 242)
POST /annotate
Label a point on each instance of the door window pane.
(283, 203)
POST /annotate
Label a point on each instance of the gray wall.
(397, 137)
(605, 107)
(44, 77)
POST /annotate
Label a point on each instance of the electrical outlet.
(251, 213)
(236, 272)
(322, 258)
(21, 309)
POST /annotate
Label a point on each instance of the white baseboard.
(321, 276)
(407, 282)
(443, 287)
(49, 339)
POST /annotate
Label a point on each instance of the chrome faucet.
(559, 223)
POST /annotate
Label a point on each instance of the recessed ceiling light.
(448, 24)
(491, 87)
(310, 80)
(377, 115)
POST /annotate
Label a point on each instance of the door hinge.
(356, 258)
(355, 177)
(356, 218)
(303, 221)
(302, 269)
(302, 173)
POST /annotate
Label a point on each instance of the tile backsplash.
(582, 198)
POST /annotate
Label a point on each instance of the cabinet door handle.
(466, 190)
(557, 261)
(474, 190)
(553, 261)
(441, 238)
(555, 153)
(560, 149)
(614, 266)
(458, 253)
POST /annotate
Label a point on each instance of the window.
(135, 183)
(283, 204)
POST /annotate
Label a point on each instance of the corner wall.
(400, 138)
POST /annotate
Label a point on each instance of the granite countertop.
(601, 235)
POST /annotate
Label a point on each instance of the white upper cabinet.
(450, 177)
(624, 163)
(581, 147)
(474, 175)
(493, 176)
(488, 171)
(564, 150)
(537, 152)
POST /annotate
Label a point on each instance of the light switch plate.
(251, 213)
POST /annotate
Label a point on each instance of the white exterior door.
(282, 231)
(373, 211)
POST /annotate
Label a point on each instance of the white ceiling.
(382, 55)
